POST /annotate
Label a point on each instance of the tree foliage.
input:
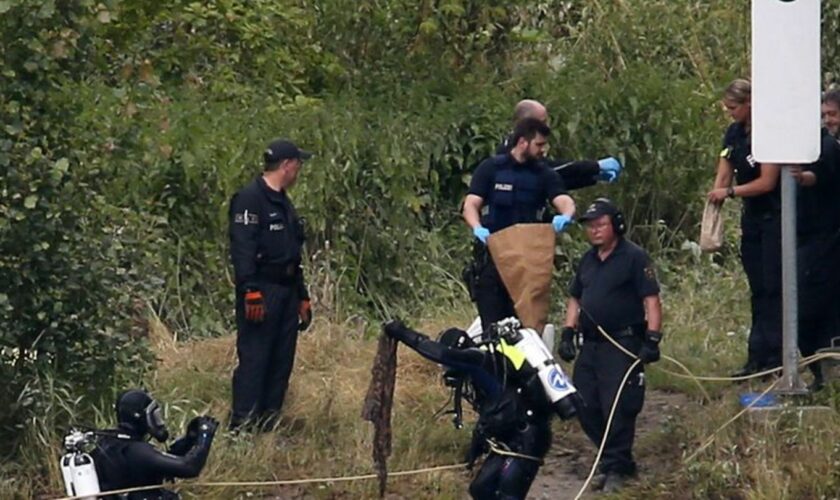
(126, 126)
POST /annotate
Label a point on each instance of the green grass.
(322, 434)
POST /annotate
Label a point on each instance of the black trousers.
(818, 273)
(761, 256)
(599, 369)
(491, 297)
(266, 353)
(509, 478)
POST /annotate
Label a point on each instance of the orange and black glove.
(304, 314)
(254, 306)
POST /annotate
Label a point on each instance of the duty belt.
(281, 274)
(627, 331)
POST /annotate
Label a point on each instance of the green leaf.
(62, 165)
(5, 5)
(30, 201)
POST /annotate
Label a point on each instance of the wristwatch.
(730, 192)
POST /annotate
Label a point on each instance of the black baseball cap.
(599, 207)
(282, 149)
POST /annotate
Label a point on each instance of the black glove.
(567, 349)
(203, 424)
(649, 353)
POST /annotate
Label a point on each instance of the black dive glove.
(203, 425)
(649, 353)
(567, 349)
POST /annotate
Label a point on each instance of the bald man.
(575, 174)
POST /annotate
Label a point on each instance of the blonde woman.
(740, 176)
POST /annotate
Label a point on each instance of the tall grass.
(785, 455)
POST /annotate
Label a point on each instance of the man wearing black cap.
(614, 290)
(272, 303)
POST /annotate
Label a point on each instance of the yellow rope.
(497, 449)
(803, 362)
(607, 429)
(220, 484)
(712, 436)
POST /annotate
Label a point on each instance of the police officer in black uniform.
(509, 189)
(575, 174)
(272, 303)
(124, 459)
(758, 185)
(614, 289)
(818, 242)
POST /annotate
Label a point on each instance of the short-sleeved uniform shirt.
(818, 206)
(612, 291)
(513, 193)
(737, 148)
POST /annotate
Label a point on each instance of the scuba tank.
(526, 343)
(548, 336)
(77, 467)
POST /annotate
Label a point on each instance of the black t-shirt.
(818, 206)
(612, 291)
(737, 148)
(514, 192)
(575, 174)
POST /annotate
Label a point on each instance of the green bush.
(127, 125)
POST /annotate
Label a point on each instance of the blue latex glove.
(560, 222)
(482, 233)
(610, 169)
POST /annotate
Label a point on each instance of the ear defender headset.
(616, 216)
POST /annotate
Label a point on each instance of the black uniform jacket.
(266, 237)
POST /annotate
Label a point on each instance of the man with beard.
(509, 189)
(575, 174)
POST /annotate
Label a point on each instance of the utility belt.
(593, 335)
(279, 274)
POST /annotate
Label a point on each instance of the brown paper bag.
(711, 229)
(524, 256)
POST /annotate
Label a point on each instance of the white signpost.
(786, 127)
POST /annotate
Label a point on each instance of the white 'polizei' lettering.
(503, 187)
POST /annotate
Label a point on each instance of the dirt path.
(570, 459)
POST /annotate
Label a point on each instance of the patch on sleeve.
(650, 273)
(724, 153)
(245, 218)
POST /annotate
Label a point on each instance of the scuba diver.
(513, 383)
(123, 458)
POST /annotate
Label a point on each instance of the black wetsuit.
(124, 460)
(513, 412)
